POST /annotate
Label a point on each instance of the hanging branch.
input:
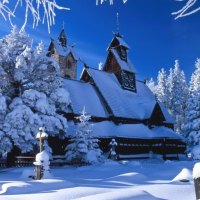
(111, 1)
(33, 8)
(187, 9)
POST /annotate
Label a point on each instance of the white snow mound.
(184, 176)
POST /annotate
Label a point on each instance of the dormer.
(118, 63)
(121, 46)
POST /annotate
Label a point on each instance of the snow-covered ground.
(146, 179)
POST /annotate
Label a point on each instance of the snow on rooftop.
(84, 95)
(168, 117)
(122, 42)
(165, 132)
(128, 66)
(64, 51)
(124, 103)
(108, 129)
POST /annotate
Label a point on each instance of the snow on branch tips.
(5, 11)
(188, 9)
(111, 1)
(34, 8)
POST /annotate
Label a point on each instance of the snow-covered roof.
(108, 129)
(64, 51)
(125, 65)
(122, 42)
(84, 95)
(162, 131)
(168, 117)
(124, 103)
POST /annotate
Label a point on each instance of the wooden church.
(121, 107)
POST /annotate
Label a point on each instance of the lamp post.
(41, 136)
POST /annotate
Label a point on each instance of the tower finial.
(117, 25)
(63, 25)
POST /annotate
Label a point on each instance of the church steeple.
(63, 38)
(118, 63)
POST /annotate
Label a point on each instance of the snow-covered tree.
(161, 91)
(31, 84)
(152, 86)
(5, 144)
(83, 147)
(100, 66)
(192, 122)
(177, 95)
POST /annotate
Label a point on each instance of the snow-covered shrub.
(195, 151)
(83, 148)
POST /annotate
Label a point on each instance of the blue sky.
(155, 38)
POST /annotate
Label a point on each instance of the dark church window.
(128, 81)
(123, 54)
(69, 64)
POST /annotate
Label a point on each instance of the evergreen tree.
(161, 91)
(32, 87)
(152, 86)
(192, 122)
(83, 147)
(177, 92)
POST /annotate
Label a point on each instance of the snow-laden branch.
(41, 11)
(111, 1)
(5, 11)
(187, 9)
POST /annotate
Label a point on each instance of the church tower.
(118, 63)
(65, 56)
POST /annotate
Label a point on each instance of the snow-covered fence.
(24, 161)
(58, 160)
(2, 163)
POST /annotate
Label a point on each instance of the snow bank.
(184, 176)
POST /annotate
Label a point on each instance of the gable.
(157, 117)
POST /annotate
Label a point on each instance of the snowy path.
(149, 179)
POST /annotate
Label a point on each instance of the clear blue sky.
(155, 38)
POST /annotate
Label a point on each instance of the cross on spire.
(63, 25)
(117, 23)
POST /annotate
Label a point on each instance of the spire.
(117, 25)
(62, 37)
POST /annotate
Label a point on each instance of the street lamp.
(40, 157)
(41, 136)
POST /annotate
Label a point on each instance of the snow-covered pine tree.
(177, 95)
(152, 86)
(33, 90)
(5, 144)
(192, 121)
(161, 91)
(83, 147)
